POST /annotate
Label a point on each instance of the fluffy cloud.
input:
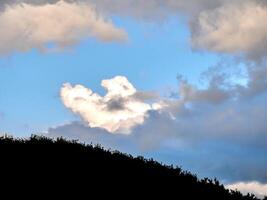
(222, 121)
(237, 27)
(118, 111)
(25, 26)
(223, 26)
(251, 187)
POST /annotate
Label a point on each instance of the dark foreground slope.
(42, 162)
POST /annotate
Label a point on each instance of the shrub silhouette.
(88, 169)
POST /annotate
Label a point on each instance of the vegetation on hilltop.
(91, 168)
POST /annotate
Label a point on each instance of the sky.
(184, 82)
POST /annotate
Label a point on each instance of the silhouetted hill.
(86, 169)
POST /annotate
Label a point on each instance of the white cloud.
(224, 26)
(237, 27)
(199, 118)
(117, 112)
(25, 26)
(256, 188)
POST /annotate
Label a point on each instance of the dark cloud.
(146, 96)
(137, 8)
(195, 142)
(217, 131)
(79, 130)
(257, 84)
(217, 90)
(115, 104)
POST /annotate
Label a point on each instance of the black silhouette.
(87, 169)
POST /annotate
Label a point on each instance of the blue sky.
(183, 82)
(151, 59)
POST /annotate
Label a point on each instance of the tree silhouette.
(89, 168)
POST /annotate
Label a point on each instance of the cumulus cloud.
(118, 111)
(255, 187)
(226, 123)
(237, 27)
(223, 26)
(26, 26)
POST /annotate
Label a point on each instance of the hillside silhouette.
(91, 169)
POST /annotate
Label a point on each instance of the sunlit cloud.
(255, 187)
(118, 111)
(25, 26)
(220, 114)
(236, 28)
